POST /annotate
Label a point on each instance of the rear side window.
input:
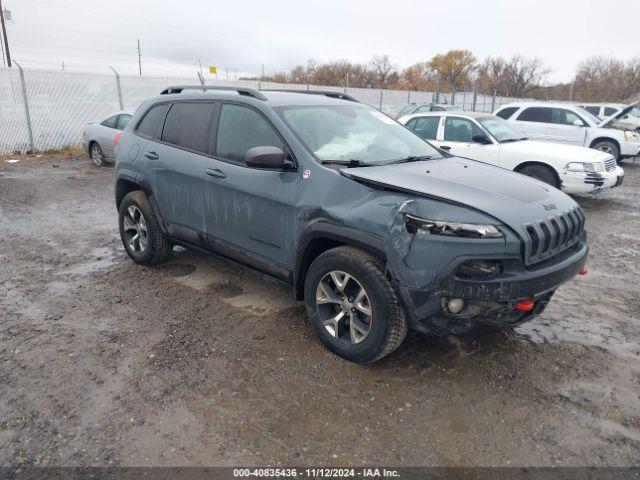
(425, 127)
(507, 112)
(152, 120)
(189, 125)
(608, 111)
(122, 121)
(241, 129)
(110, 122)
(458, 129)
(536, 114)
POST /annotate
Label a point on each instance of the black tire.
(157, 246)
(96, 154)
(387, 324)
(542, 173)
(608, 146)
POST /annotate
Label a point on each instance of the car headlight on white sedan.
(585, 167)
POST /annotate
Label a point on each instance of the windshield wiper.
(509, 140)
(411, 158)
(347, 163)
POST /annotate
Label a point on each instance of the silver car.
(98, 138)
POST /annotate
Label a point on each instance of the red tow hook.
(525, 305)
(583, 272)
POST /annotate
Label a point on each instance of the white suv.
(570, 124)
(492, 140)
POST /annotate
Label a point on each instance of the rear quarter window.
(536, 114)
(149, 124)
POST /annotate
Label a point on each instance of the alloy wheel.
(344, 307)
(96, 155)
(135, 230)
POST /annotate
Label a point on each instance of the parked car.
(492, 140)
(565, 123)
(427, 107)
(623, 116)
(374, 228)
(98, 137)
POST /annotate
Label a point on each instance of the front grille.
(610, 165)
(552, 236)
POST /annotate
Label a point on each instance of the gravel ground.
(197, 362)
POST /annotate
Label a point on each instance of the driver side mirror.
(481, 139)
(578, 123)
(266, 157)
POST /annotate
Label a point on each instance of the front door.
(250, 209)
(567, 127)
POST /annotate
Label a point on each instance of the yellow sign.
(213, 70)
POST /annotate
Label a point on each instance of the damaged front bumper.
(491, 300)
(591, 182)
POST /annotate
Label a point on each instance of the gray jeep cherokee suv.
(374, 228)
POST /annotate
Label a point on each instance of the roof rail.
(326, 93)
(249, 92)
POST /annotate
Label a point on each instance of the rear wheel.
(352, 306)
(140, 231)
(97, 157)
(607, 146)
(542, 173)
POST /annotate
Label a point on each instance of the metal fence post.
(493, 102)
(118, 87)
(380, 99)
(26, 106)
(408, 97)
(475, 98)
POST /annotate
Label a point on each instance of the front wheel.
(542, 173)
(140, 231)
(352, 306)
(608, 146)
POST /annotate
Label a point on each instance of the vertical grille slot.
(546, 238)
(556, 234)
(549, 237)
(535, 241)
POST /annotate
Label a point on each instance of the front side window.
(565, 117)
(501, 130)
(457, 129)
(123, 119)
(353, 132)
(152, 120)
(536, 114)
(425, 127)
(189, 125)
(240, 129)
(110, 122)
(507, 112)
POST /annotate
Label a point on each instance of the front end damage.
(454, 285)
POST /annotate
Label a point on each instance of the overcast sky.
(244, 34)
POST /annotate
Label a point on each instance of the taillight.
(116, 139)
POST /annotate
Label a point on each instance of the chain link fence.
(47, 110)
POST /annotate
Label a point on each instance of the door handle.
(151, 155)
(445, 147)
(215, 172)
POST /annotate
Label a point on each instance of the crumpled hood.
(512, 198)
(557, 151)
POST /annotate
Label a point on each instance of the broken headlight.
(585, 167)
(452, 229)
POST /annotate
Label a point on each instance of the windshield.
(407, 109)
(591, 118)
(353, 133)
(501, 130)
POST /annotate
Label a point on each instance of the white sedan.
(492, 140)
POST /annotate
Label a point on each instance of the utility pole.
(262, 77)
(139, 59)
(4, 35)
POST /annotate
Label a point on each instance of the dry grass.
(63, 152)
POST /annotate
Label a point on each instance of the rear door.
(250, 209)
(105, 135)
(425, 127)
(567, 127)
(458, 140)
(177, 160)
(535, 121)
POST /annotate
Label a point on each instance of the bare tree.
(524, 75)
(491, 75)
(382, 69)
